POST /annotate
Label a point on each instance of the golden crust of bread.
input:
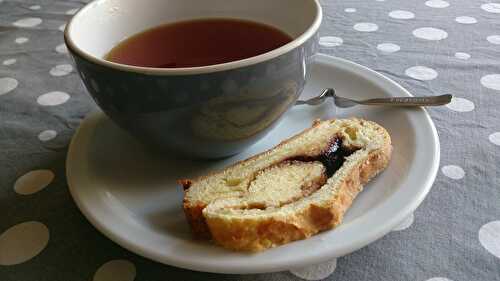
(258, 233)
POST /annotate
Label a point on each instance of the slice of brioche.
(302, 186)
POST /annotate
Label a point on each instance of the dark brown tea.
(198, 43)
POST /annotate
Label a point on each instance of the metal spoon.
(395, 101)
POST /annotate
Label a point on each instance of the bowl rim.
(301, 39)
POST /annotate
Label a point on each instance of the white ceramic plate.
(132, 197)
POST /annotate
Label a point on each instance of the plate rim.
(376, 234)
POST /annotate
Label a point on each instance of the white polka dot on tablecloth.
(437, 4)
(47, 135)
(62, 27)
(350, 10)
(33, 181)
(420, 72)
(53, 98)
(489, 237)
(22, 242)
(407, 222)
(122, 270)
(61, 70)
(430, 33)
(439, 279)
(495, 138)
(491, 7)
(453, 172)
(330, 41)
(27, 22)
(460, 105)
(9, 62)
(388, 47)
(61, 48)
(365, 27)
(35, 7)
(21, 40)
(316, 272)
(462, 56)
(72, 11)
(491, 81)
(7, 84)
(466, 20)
(494, 39)
(402, 15)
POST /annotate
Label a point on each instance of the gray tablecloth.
(431, 48)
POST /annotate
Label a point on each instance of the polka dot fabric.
(430, 47)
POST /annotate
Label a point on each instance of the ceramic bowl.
(210, 111)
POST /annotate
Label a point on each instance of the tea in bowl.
(199, 78)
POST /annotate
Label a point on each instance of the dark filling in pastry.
(332, 158)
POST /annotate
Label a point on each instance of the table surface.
(429, 47)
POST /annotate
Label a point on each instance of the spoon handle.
(409, 101)
(318, 99)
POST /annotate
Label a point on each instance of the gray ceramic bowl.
(210, 111)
